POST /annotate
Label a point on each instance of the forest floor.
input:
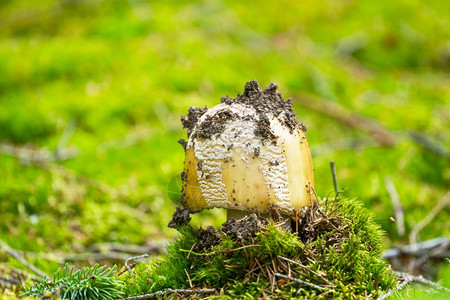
(91, 94)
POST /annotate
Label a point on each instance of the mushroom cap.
(247, 153)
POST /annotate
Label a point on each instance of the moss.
(342, 261)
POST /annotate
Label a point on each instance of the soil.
(208, 238)
(312, 222)
(264, 102)
(309, 224)
(180, 217)
(192, 117)
(243, 230)
(214, 124)
(183, 143)
(263, 128)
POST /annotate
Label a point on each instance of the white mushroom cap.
(247, 154)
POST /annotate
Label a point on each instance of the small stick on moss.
(192, 248)
(21, 259)
(189, 278)
(306, 268)
(171, 291)
(333, 172)
(398, 208)
(261, 268)
(420, 279)
(131, 259)
(400, 287)
(300, 281)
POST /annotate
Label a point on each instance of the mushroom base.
(283, 221)
(333, 251)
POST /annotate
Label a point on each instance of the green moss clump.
(334, 249)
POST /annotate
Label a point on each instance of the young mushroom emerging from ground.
(250, 156)
(247, 154)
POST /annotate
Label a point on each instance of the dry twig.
(420, 279)
(135, 136)
(348, 117)
(28, 155)
(21, 259)
(425, 142)
(300, 281)
(131, 259)
(69, 130)
(438, 248)
(153, 247)
(434, 212)
(400, 287)
(398, 208)
(189, 278)
(306, 268)
(333, 172)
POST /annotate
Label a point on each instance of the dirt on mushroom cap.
(264, 103)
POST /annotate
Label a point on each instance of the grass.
(124, 72)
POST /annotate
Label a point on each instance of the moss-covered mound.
(333, 251)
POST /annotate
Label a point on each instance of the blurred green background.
(91, 93)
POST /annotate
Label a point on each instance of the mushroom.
(246, 155)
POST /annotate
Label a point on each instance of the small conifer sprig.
(87, 283)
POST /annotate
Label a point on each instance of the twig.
(153, 247)
(21, 259)
(350, 118)
(171, 291)
(135, 136)
(189, 278)
(425, 142)
(434, 212)
(9, 281)
(300, 281)
(20, 274)
(192, 248)
(398, 208)
(333, 172)
(82, 256)
(69, 130)
(400, 287)
(131, 259)
(38, 156)
(425, 248)
(420, 279)
(306, 268)
(343, 144)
